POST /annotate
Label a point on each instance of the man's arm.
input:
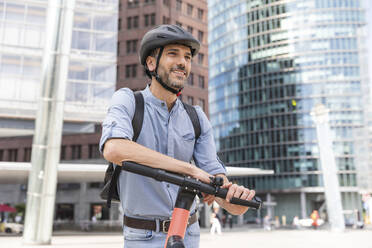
(121, 150)
(234, 191)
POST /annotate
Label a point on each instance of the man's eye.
(172, 53)
(188, 58)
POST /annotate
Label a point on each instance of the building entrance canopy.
(13, 172)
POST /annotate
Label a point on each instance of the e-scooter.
(189, 188)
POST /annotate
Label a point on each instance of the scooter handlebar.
(187, 182)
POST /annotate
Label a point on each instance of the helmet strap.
(158, 59)
(157, 77)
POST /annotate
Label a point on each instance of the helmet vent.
(171, 29)
(161, 36)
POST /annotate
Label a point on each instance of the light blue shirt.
(170, 133)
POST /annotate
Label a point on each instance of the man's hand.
(237, 192)
(199, 174)
(209, 199)
(234, 190)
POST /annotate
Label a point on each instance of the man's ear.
(151, 63)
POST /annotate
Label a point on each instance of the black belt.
(151, 224)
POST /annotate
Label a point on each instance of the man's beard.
(174, 82)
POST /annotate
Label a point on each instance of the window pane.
(77, 92)
(12, 33)
(15, 12)
(82, 20)
(11, 64)
(33, 36)
(105, 23)
(32, 67)
(103, 73)
(80, 40)
(78, 70)
(36, 15)
(104, 42)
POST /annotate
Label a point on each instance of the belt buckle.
(164, 227)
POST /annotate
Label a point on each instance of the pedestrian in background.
(296, 222)
(314, 216)
(230, 220)
(216, 225)
(267, 223)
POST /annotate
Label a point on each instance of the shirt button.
(162, 104)
(168, 185)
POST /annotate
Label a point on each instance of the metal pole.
(303, 205)
(269, 207)
(329, 169)
(49, 120)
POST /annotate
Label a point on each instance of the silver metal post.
(303, 205)
(49, 120)
(328, 164)
(269, 207)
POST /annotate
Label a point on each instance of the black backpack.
(109, 191)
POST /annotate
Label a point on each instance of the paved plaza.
(238, 238)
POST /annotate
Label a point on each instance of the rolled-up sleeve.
(205, 155)
(118, 121)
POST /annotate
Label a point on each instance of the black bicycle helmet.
(161, 36)
(164, 35)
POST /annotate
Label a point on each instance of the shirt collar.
(147, 94)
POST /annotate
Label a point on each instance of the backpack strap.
(138, 115)
(191, 111)
(113, 183)
(137, 126)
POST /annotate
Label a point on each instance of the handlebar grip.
(254, 203)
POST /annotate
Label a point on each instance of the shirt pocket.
(186, 146)
(183, 141)
(134, 234)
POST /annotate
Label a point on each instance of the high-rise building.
(364, 141)
(91, 75)
(270, 63)
(91, 83)
(136, 17)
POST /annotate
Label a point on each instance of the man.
(166, 141)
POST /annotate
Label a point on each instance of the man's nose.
(182, 62)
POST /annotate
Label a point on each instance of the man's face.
(175, 65)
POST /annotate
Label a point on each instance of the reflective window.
(267, 70)
(92, 69)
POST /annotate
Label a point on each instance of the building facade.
(104, 57)
(91, 83)
(270, 63)
(136, 17)
(92, 68)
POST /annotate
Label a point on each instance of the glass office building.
(91, 83)
(270, 63)
(92, 69)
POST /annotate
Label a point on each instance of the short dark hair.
(154, 53)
